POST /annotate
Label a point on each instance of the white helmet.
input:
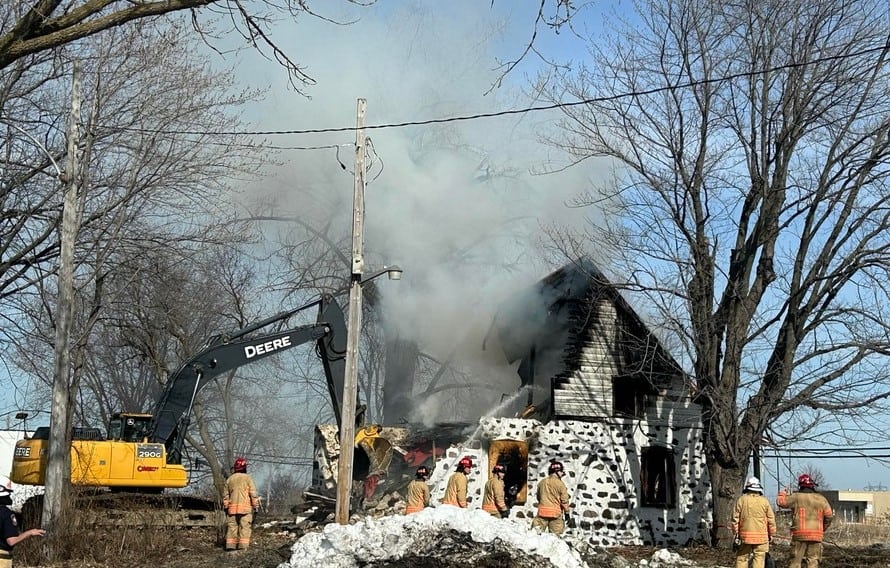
(753, 485)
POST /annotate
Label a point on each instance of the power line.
(509, 112)
(827, 449)
(836, 453)
(830, 457)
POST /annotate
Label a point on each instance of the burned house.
(599, 393)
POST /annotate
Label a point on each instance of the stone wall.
(602, 475)
(602, 462)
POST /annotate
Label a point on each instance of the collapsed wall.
(627, 487)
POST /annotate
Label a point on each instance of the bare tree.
(133, 188)
(750, 144)
(32, 27)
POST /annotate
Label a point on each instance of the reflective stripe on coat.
(456, 491)
(810, 514)
(240, 495)
(418, 496)
(493, 500)
(753, 519)
(553, 497)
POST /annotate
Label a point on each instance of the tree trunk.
(726, 486)
(58, 468)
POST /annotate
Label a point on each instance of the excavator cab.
(129, 426)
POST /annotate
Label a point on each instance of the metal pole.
(756, 456)
(353, 327)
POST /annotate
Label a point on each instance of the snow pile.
(22, 493)
(665, 557)
(432, 532)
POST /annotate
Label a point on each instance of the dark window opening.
(658, 478)
(513, 455)
(630, 397)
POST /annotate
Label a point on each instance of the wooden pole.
(353, 327)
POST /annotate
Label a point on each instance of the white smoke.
(454, 204)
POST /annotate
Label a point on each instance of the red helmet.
(240, 465)
(498, 469)
(555, 467)
(422, 472)
(806, 481)
(465, 462)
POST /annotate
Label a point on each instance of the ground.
(202, 548)
(833, 556)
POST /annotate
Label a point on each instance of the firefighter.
(811, 515)
(753, 524)
(418, 491)
(553, 501)
(240, 500)
(9, 526)
(493, 499)
(456, 490)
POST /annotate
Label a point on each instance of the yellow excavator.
(142, 452)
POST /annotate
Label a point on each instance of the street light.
(354, 324)
(392, 272)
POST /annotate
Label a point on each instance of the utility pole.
(756, 456)
(353, 326)
(57, 467)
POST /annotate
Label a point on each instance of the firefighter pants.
(238, 529)
(5, 562)
(553, 524)
(745, 550)
(808, 549)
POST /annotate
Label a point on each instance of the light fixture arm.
(392, 272)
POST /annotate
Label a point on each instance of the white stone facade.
(602, 463)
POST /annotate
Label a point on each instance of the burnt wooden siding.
(608, 343)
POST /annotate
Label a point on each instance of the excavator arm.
(143, 452)
(228, 352)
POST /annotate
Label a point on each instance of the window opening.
(658, 478)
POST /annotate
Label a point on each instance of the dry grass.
(82, 544)
(155, 547)
(844, 534)
(90, 536)
(857, 534)
(79, 539)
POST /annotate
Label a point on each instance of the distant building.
(859, 506)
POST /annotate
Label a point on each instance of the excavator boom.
(154, 461)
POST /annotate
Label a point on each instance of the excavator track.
(106, 508)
